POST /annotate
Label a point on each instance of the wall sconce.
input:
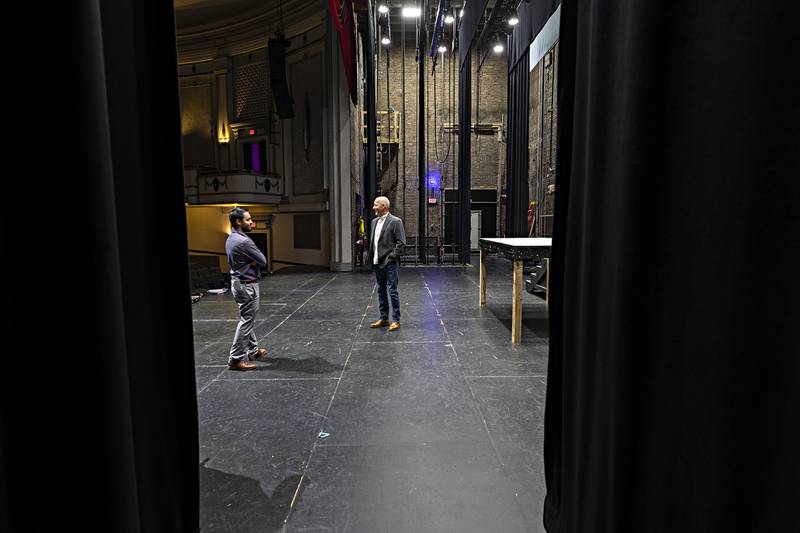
(223, 136)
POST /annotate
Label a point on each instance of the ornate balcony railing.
(207, 186)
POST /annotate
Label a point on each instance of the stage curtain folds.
(464, 156)
(99, 429)
(342, 15)
(673, 375)
(517, 194)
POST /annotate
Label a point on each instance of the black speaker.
(284, 103)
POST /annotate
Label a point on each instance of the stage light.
(442, 49)
(411, 12)
(383, 8)
(498, 48)
(386, 41)
(449, 19)
(434, 180)
(513, 21)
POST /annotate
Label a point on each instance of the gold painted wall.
(208, 229)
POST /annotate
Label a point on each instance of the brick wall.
(489, 95)
(489, 106)
(543, 119)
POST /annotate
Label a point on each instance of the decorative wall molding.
(233, 187)
(246, 33)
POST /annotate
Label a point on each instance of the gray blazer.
(391, 243)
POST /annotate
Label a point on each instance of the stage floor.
(435, 427)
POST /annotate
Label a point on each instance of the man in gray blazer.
(387, 240)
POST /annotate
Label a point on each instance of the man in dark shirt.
(245, 259)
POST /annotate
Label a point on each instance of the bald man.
(387, 240)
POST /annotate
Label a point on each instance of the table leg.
(516, 311)
(547, 283)
(482, 289)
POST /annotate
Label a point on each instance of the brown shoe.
(261, 353)
(379, 324)
(242, 365)
(395, 326)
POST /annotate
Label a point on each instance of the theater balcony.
(204, 186)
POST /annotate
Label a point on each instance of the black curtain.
(464, 154)
(673, 379)
(468, 26)
(532, 15)
(99, 429)
(517, 195)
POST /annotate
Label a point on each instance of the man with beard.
(245, 259)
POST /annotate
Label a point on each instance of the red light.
(252, 132)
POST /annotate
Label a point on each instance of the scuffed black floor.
(435, 427)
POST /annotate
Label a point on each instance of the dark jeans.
(388, 276)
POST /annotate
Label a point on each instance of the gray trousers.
(245, 342)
